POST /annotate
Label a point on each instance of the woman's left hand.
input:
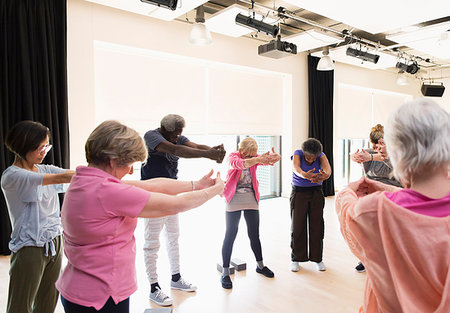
(273, 157)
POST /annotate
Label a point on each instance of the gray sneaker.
(160, 298)
(181, 284)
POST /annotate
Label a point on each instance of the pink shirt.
(407, 255)
(99, 218)
(236, 163)
(419, 203)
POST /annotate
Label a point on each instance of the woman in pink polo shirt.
(242, 196)
(100, 213)
(403, 235)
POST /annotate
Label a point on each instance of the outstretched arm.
(187, 151)
(324, 172)
(162, 205)
(170, 186)
(62, 178)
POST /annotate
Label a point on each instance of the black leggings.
(109, 307)
(232, 225)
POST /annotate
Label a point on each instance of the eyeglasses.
(45, 148)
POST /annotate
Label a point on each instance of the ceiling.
(398, 30)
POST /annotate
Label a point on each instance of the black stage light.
(168, 4)
(250, 22)
(412, 68)
(363, 55)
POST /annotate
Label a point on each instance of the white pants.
(153, 227)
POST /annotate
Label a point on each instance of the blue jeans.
(109, 307)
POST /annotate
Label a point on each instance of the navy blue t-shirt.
(159, 164)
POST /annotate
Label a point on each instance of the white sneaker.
(160, 298)
(294, 266)
(321, 266)
(181, 284)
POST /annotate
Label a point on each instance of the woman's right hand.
(219, 184)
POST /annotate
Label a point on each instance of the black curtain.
(320, 88)
(33, 76)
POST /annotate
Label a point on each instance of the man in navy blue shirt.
(165, 146)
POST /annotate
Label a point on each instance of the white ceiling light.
(339, 55)
(402, 80)
(200, 35)
(325, 62)
(379, 16)
(313, 39)
(224, 21)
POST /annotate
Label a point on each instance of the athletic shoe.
(360, 268)
(294, 266)
(265, 271)
(160, 298)
(183, 285)
(320, 266)
(226, 282)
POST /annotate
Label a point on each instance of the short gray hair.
(172, 122)
(418, 138)
(312, 146)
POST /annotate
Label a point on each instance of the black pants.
(232, 225)
(109, 307)
(307, 224)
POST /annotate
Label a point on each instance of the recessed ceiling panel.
(183, 7)
(377, 16)
(148, 9)
(433, 40)
(312, 39)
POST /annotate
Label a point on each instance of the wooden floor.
(338, 289)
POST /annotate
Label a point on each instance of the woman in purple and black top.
(311, 168)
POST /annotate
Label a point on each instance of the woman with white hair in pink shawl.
(403, 235)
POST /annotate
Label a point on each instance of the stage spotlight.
(412, 68)
(168, 4)
(250, 22)
(363, 55)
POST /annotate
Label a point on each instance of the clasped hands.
(315, 177)
(365, 186)
(218, 153)
(269, 158)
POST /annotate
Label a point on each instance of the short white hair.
(418, 138)
(172, 122)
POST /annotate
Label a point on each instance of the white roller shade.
(244, 102)
(139, 87)
(385, 103)
(353, 112)
(359, 109)
(139, 90)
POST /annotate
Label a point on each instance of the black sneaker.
(360, 268)
(265, 271)
(226, 282)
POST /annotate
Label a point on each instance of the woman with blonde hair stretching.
(242, 195)
(100, 213)
(403, 235)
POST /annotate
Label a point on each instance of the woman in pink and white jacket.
(242, 195)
